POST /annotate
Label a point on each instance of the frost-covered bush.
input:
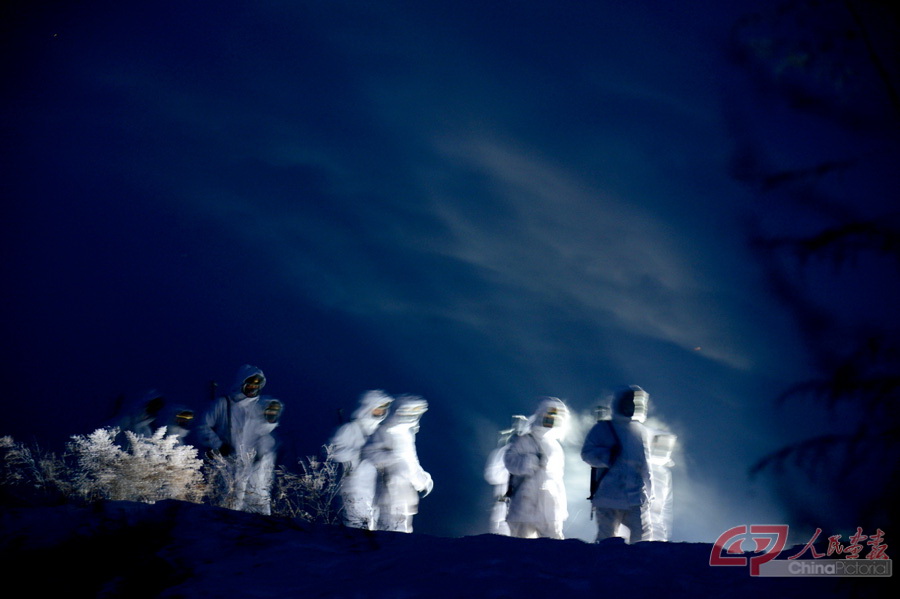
(222, 481)
(312, 495)
(240, 482)
(31, 476)
(149, 470)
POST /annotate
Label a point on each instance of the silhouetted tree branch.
(828, 58)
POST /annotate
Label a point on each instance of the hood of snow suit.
(369, 402)
(150, 402)
(243, 373)
(272, 410)
(407, 411)
(632, 403)
(551, 417)
(144, 414)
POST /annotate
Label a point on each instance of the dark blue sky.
(477, 204)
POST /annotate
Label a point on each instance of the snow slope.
(175, 549)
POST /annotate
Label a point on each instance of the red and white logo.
(768, 541)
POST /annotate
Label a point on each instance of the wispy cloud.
(564, 242)
(479, 228)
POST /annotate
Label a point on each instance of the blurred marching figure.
(181, 424)
(152, 412)
(662, 444)
(145, 415)
(237, 433)
(618, 451)
(359, 476)
(400, 478)
(496, 474)
(536, 463)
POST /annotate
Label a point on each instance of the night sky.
(477, 202)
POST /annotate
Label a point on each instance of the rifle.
(516, 480)
(597, 474)
(512, 486)
(213, 395)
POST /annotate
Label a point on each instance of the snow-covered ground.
(176, 549)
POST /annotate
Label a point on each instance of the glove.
(428, 486)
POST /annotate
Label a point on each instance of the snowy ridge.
(178, 549)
